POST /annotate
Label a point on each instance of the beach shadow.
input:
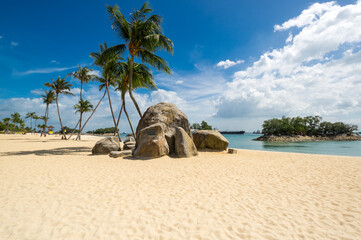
(49, 152)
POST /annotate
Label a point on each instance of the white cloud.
(308, 16)
(1, 37)
(290, 38)
(319, 72)
(14, 44)
(54, 61)
(179, 82)
(37, 91)
(43, 70)
(228, 63)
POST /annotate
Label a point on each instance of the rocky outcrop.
(209, 139)
(106, 145)
(184, 145)
(300, 138)
(171, 117)
(151, 142)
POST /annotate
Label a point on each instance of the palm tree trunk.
(81, 90)
(79, 133)
(126, 113)
(131, 86)
(120, 113)
(45, 120)
(111, 109)
(14, 126)
(61, 124)
(94, 110)
(74, 131)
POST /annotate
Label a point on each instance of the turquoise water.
(342, 148)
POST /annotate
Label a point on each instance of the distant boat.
(232, 132)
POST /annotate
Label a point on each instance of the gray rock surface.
(209, 139)
(106, 145)
(116, 154)
(151, 142)
(171, 116)
(184, 145)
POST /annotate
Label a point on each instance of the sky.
(235, 63)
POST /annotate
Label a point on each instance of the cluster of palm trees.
(142, 36)
(15, 123)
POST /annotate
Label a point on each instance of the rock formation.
(172, 121)
(106, 145)
(151, 142)
(210, 139)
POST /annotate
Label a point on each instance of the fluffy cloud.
(228, 63)
(318, 72)
(14, 44)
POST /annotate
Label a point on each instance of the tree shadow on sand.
(49, 152)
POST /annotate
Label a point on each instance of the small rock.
(210, 139)
(116, 154)
(129, 145)
(129, 139)
(232, 151)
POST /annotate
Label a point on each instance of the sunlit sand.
(55, 189)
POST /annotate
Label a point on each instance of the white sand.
(53, 189)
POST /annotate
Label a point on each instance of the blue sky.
(40, 40)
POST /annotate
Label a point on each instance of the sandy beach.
(55, 189)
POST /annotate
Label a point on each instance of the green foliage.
(310, 125)
(203, 126)
(103, 130)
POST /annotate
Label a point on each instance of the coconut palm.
(48, 98)
(60, 86)
(82, 107)
(143, 36)
(15, 118)
(84, 75)
(36, 118)
(142, 78)
(110, 74)
(31, 116)
(6, 122)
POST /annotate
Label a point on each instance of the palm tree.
(84, 76)
(142, 78)
(15, 118)
(60, 86)
(31, 116)
(143, 36)
(36, 118)
(110, 74)
(82, 107)
(6, 122)
(48, 98)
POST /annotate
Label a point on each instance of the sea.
(341, 148)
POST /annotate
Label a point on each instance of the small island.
(310, 128)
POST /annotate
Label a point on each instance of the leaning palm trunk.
(61, 124)
(126, 113)
(79, 133)
(120, 114)
(73, 131)
(131, 87)
(105, 92)
(111, 109)
(45, 120)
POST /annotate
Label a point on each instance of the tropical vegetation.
(306, 126)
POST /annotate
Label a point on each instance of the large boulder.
(151, 142)
(184, 145)
(106, 145)
(210, 139)
(168, 114)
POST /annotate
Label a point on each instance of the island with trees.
(310, 128)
